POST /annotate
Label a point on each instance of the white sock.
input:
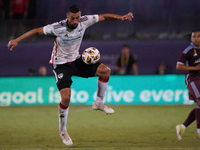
(63, 113)
(101, 92)
(198, 131)
(183, 126)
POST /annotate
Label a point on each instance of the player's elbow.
(178, 67)
(101, 17)
(39, 30)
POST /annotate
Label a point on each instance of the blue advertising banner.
(125, 90)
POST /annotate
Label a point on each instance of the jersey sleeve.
(50, 29)
(89, 20)
(182, 59)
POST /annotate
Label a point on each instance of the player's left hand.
(12, 44)
(128, 16)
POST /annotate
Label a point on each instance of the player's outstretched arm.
(111, 17)
(14, 42)
(187, 68)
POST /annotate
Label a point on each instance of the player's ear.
(67, 14)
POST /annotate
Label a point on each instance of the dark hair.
(196, 30)
(126, 46)
(74, 8)
(190, 34)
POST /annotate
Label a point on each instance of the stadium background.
(158, 33)
(160, 29)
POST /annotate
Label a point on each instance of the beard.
(72, 26)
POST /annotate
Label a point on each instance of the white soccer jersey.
(67, 41)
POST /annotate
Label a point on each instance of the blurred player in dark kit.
(67, 61)
(189, 60)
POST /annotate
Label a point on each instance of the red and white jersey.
(67, 41)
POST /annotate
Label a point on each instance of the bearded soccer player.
(67, 61)
(189, 60)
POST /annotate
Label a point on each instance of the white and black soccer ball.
(91, 55)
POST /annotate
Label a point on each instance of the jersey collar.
(193, 45)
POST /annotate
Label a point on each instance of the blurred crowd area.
(153, 19)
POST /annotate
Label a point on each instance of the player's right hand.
(12, 44)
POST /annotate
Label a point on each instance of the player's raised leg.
(63, 109)
(103, 72)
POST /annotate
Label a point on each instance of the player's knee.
(65, 98)
(103, 71)
(106, 73)
(108, 70)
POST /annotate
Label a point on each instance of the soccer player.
(67, 61)
(189, 60)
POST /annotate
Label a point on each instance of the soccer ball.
(91, 55)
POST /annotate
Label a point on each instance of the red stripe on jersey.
(51, 61)
(56, 49)
(103, 79)
(56, 46)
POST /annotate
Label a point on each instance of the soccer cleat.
(179, 132)
(198, 136)
(103, 108)
(66, 139)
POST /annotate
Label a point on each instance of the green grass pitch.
(130, 127)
